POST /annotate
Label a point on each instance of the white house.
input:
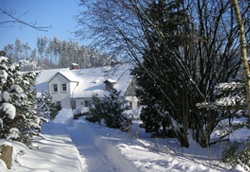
(75, 88)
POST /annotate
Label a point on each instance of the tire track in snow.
(94, 160)
(100, 155)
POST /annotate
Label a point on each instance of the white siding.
(80, 102)
(133, 100)
(60, 96)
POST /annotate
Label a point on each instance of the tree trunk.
(243, 52)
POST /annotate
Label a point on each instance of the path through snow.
(100, 153)
(110, 150)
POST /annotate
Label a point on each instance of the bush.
(92, 118)
(238, 153)
(95, 110)
(47, 107)
(110, 109)
(54, 108)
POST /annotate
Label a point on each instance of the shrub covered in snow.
(80, 112)
(47, 107)
(110, 109)
(238, 153)
(95, 110)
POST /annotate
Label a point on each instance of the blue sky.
(57, 13)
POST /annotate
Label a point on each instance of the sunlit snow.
(79, 146)
(9, 109)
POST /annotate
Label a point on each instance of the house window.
(130, 104)
(86, 103)
(64, 87)
(55, 88)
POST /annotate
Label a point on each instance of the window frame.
(86, 103)
(63, 87)
(53, 86)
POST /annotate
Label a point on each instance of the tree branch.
(17, 20)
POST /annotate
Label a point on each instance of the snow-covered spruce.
(110, 109)
(18, 105)
(46, 106)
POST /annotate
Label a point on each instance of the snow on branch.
(9, 109)
(229, 96)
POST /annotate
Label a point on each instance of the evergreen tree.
(113, 106)
(47, 107)
(159, 110)
(26, 51)
(18, 105)
(228, 96)
(148, 95)
(96, 110)
(33, 54)
(110, 109)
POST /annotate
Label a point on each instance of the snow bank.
(81, 110)
(237, 168)
(64, 116)
(54, 153)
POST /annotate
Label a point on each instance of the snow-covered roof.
(91, 80)
(68, 74)
(42, 79)
(110, 80)
(75, 64)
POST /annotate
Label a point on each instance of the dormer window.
(109, 84)
(55, 88)
(64, 87)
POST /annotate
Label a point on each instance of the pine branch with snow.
(229, 96)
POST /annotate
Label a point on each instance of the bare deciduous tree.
(188, 68)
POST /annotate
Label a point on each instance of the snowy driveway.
(110, 150)
(99, 153)
(81, 146)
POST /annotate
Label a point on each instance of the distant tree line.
(54, 53)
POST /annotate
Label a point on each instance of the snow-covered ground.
(79, 146)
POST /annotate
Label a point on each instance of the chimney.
(74, 66)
